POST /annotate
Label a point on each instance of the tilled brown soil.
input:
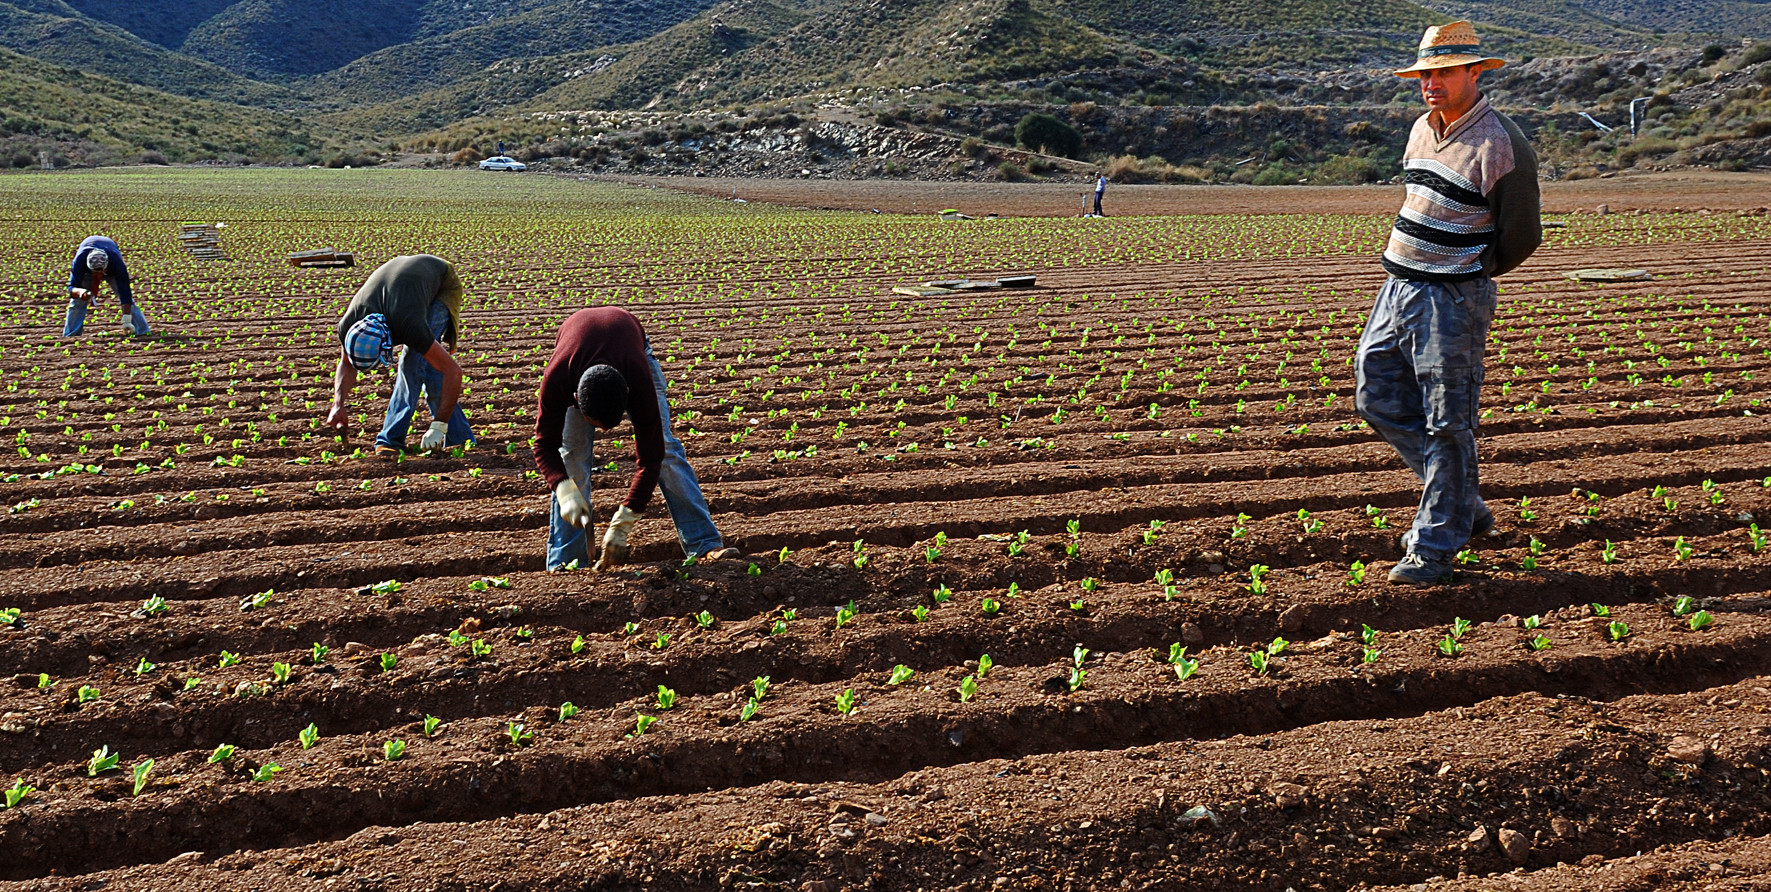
(978, 533)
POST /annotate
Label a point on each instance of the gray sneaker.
(1413, 570)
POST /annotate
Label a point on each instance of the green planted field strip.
(1119, 514)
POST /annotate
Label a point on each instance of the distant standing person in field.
(1470, 213)
(97, 261)
(602, 368)
(412, 302)
(1100, 190)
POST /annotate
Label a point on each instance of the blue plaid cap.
(368, 343)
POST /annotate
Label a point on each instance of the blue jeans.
(415, 376)
(676, 480)
(1419, 371)
(77, 319)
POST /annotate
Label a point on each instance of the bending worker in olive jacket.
(602, 367)
(412, 302)
(1470, 213)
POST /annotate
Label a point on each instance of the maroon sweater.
(601, 336)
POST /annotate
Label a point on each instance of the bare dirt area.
(1661, 191)
(1071, 588)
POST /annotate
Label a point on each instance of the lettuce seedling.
(44, 682)
(753, 570)
(779, 626)
(781, 556)
(524, 633)
(392, 750)
(749, 710)
(845, 614)
(1684, 605)
(385, 588)
(1369, 655)
(990, 606)
(143, 667)
(1257, 574)
(919, 613)
(192, 682)
(19, 792)
(845, 701)
(985, 664)
(1600, 610)
(1701, 620)
(968, 689)
(900, 674)
(320, 652)
(154, 606)
(1356, 574)
(228, 659)
(1608, 554)
(280, 673)
(1539, 642)
(662, 641)
(1090, 584)
(1460, 627)
(567, 710)
(254, 602)
(629, 628)
(102, 760)
(1681, 550)
(222, 753)
(1537, 547)
(1258, 660)
(666, 697)
(308, 736)
(140, 772)
(517, 735)
(86, 694)
(1450, 647)
(1277, 647)
(759, 687)
(1367, 635)
(1533, 621)
(942, 594)
(431, 724)
(1617, 629)
(387, 662)
(265, 772)
(1757, 537)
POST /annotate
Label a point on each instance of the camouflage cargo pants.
(1419, 371)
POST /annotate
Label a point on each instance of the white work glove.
(434, 437)
(573, 508)
(615, 548)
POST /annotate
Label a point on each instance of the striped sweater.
(1471, 208)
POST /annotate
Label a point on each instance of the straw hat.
(1448, 46)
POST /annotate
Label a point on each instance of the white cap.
(97, 259)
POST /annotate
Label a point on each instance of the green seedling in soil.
(1257, 576)
(1608, 554)
(1701, 620)
(1079, 606)
(1014, 590)
(1684, 605)
(254, 602)
(1090, 584)
(486, 583)
(44, 682)
(154, 606)
(385, 588)
(1450, 647)
(705, 620)
(392, 750)
(931, 553)
(222, 753)
(629, 628)
(516, 735)
(1537, 547)
(1529, 563)
(985, 664)
(431, 724)
(140, 772)
(753, 570)
(1277, 647)
(968, 688)
(1356, 574)
(779, 627)
(749, 711)
(1149, 535)
(759, 687)
(1367, 635)
(662, 641)
(143, 667)
(1468, 556)
(1078, 655)
(1757, 537)
(861, 560)
(845, 701)
(1670, 504)
(456, 639)
(990, 606)
(1078, 677)
(666, 697)
(191, 683)
(320, 652)
(1533, 621)
(1258, 660)
(578, 644)
(900, 674)
(567, 710)
(309, 736)
(1600, 610)
(942, 594)
(919, 613)
(1015, 549)
(1525, 513)
(781, 556)
(265, 772)
(845, 614)
(1681, 550)
(280, 673)
(102, 760)
(19, 792)
(86, 694)
(228, 659)
(387, 662)
(1460, 627)
(1369, 655)
(1659, 492)
(1539, 642)
(1617, 629)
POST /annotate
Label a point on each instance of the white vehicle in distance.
(502, 162)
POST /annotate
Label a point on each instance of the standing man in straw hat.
(96, 262)
(1470, 214)
(412, 302)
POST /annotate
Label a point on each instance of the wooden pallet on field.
(1610, 275)
(322, 258)
(201, 240)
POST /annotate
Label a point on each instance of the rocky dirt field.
(1076, 587)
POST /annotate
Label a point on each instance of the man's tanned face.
(1450, 91)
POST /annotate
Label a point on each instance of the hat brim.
(1488, 63)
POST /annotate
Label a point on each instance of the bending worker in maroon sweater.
(602, 367)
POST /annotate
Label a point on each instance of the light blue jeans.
(415, 377)
(1419, 370)
(76, 320)
(676, 480)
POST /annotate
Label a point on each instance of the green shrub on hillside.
(1045, 133)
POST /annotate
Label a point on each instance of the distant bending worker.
(97, 261)
(1470, 213)
(412, 302)
(602, 368)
